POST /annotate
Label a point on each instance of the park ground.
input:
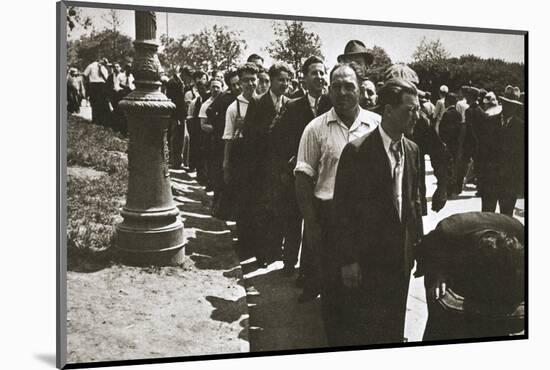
(212, 303)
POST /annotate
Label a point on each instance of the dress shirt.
(322, 143)
(387, 141)
(231, 117)
(313, 103)
(96, 73)
(461, 107)
(277, 101)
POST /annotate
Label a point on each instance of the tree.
(430, 52)
(75, 18)
(380, 63)
(220, 47)
(293, 44)
(88, 48)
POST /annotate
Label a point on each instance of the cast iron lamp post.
(152, 231)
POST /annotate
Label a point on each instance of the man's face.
(405, 115)
(215, 88)
(235, 86)
(315, 77)
(218, 76)
(201, 80)
(248, 82)
(117, 68)
(367, 91)
(344, 90)
(279, 84)
(263, 83)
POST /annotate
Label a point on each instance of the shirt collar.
(242, 99)
(386, 139)
(362, 118)
(274, 97)
(312, 100)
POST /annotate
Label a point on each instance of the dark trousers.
(99, 102)
(373, 313)
(176, 133)
(292, 225)
(195, 143)
(506, 201)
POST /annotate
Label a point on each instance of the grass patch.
(93, 204)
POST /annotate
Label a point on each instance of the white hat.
(444, 89)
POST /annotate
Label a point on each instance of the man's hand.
(437, 288)
(439, 199)
(351, 275)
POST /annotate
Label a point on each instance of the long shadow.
(277, 320)
(227, 310)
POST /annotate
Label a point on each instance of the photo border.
(61, 173)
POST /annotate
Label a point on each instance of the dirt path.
(118, 312)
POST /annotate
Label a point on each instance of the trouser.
(373, 313)
(99, 103)
(506, 201)
(176, 135)
(292, 226)
(195, 144)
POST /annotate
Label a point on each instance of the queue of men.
(103, 85)
(331, 172)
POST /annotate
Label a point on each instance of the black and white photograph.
(238, 184)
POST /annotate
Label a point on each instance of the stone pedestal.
(152, 231)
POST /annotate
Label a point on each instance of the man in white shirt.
(97, 75)
(462, 104)
(440, 106)
(235, 161)
(321, 144)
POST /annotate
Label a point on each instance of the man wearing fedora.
(501, 152)
(355, 51)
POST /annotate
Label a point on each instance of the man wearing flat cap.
(473, 267)
(355, 51)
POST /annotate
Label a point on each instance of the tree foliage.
(430, 52)
(219, 46)
(293, 43)
(380, 63)
(75, 18)
(105, 44)
(435, 67)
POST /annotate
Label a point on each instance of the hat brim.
(369, 58)
(511, 101)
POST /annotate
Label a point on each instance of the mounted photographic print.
(237, 184)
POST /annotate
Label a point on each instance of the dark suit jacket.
(288, 131)
(368, 228)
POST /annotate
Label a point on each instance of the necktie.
(396, 148)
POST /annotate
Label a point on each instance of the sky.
(399, 43)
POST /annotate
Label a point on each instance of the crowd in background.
(253, 136)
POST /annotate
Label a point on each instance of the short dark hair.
(229, 75)
(247, 67)
(498, 266)
(251, 57)
(199, 74)
(451, 99)
(262, 69)
(356, 68)
(314, 59)
(279, 67)
(187, 70)
(393, 90)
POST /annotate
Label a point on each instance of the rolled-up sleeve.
(309, 152)
(229, 129)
